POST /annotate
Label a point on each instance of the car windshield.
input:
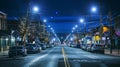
(59, 33)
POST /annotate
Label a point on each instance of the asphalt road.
(62, 56)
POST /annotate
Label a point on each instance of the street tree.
(23, 29)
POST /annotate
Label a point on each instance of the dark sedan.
(17, 51)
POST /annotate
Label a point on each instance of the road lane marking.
(65, 58)
(91, 56)
(37, 59)
(53, 61)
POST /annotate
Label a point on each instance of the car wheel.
(39, 50)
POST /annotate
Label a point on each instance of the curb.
(112, 55)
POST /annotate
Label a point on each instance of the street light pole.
(111, 42)
(82, 21)
(110, 22)
(100, 19)
(85, 28)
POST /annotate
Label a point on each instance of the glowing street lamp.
(71, 39)
(49, 26)
(93, 9)
(76, 26)
(54, 39)
(73, 28)
(81, 20)
(35, 9)
(44, 20)
(72, 31)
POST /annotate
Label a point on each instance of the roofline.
(2, 13)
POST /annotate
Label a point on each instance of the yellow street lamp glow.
(105, 29)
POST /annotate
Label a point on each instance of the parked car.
(88, 48)
(17, 51)
(97, 48)
(43, 46)
(47, 46)
(39, 48)
(51, 45)
(73, 45)
(33, 48)
(84, 47)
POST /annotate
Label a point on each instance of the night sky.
(62, 15)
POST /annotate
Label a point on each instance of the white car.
(97, 48)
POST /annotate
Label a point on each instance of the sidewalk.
(4, 53)
(114, 52)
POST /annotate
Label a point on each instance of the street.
(62, 56)
(60, 33)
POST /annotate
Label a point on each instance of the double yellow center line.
(65, 58)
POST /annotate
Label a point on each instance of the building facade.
(3, 23)
(4, 36)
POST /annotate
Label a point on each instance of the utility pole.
(100, 20)
(85, 30)
(110, 27)
(78, 37)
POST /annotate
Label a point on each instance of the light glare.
(44, 20)
(35, 9)
(73, 28)
(81, 20)
(76, 26)
(94, 9)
